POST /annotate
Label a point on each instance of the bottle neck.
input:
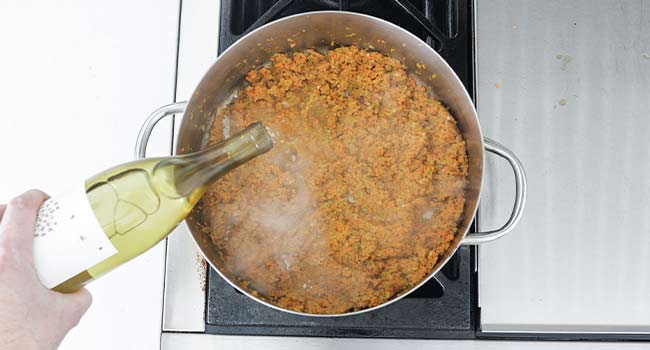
(193, 173)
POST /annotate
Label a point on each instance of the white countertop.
(77, 80)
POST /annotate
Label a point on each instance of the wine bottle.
(123, 211)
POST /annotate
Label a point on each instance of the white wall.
(77, 78)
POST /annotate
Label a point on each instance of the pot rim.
(450, 252)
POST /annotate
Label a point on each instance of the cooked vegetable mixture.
(361, 194)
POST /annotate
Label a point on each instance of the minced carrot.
(360, 195)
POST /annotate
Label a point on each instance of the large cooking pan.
(321, 29)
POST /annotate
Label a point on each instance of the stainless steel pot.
(321, 29)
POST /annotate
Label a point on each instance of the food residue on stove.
(566, 59)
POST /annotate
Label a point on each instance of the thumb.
(74, 305)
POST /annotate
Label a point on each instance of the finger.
(17, 226)
(76, 304)
(2, 210)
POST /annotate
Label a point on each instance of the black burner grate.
(445, 309)
(433, 311)
(444, 24)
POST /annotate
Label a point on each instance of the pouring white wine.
(127, 209)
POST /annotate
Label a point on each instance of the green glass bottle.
(136, 205)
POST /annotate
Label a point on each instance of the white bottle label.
(68, 239)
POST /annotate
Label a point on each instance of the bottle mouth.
(261, 136)
(248, 143)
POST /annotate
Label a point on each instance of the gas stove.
(201, 309)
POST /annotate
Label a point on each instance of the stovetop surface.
(445, 307)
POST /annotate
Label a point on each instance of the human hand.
(31, 316)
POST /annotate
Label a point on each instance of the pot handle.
(520, 196)
(150, 123)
